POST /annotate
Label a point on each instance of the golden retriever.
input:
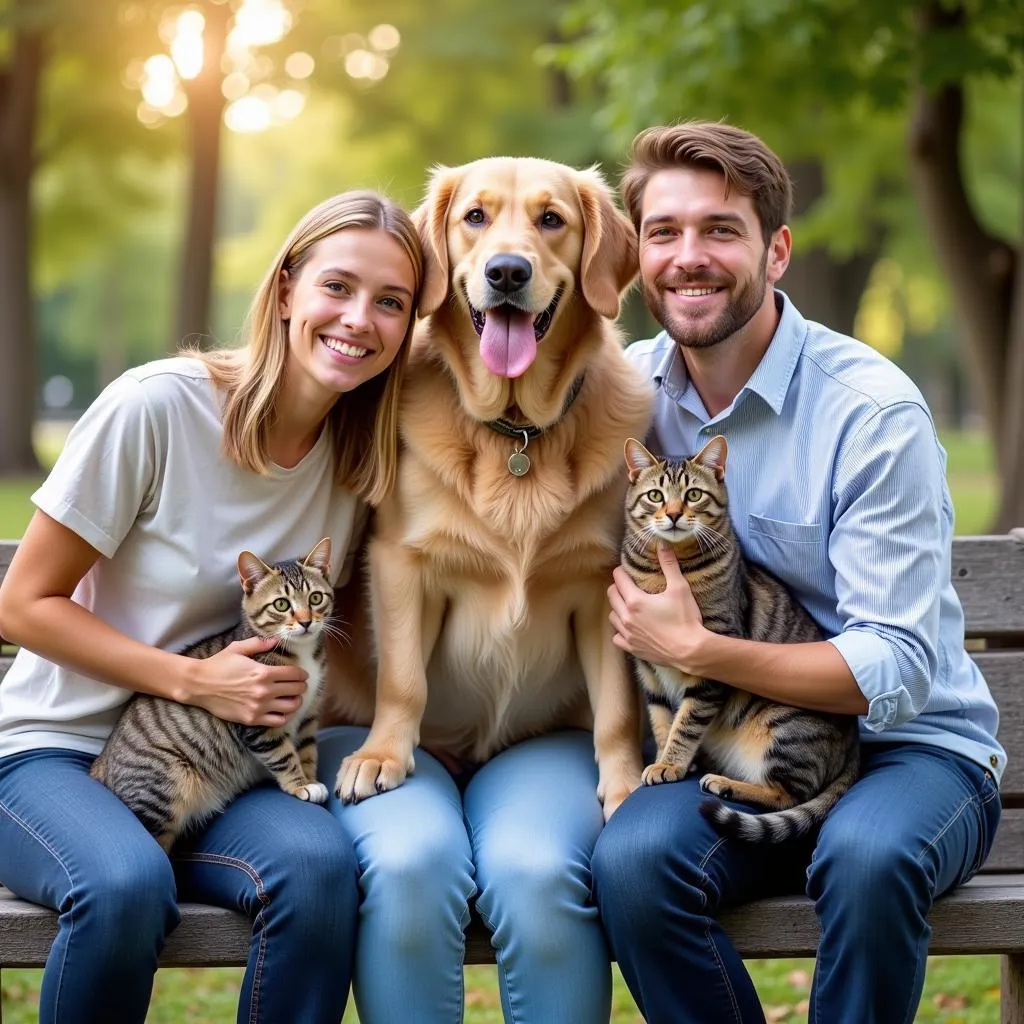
(488, 588)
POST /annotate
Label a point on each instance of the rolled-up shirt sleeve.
(889, 547)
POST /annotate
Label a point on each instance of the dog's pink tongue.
(508, 344)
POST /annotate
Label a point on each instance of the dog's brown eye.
(550, 219)
(693, 494)
(475, 216)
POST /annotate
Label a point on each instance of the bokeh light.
(299, 65)
(254, 103)
(385, 38)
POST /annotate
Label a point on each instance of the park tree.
(20, 76)
(869, 104)
(65, 120)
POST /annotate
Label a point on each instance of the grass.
(958, 990)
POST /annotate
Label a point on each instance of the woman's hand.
(36, 611)
(232, 685)
(663, 629)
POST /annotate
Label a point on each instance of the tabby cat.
(175, 764)
(796, 762)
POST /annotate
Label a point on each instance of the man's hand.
(663, 629)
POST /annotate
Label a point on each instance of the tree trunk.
(205, 107)
(19, 96)
(985, 275)
(824, 288)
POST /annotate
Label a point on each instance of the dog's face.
(515, 243)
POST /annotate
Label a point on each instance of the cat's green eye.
(655, 495)
(316, 598)
(282, 604)
(694, 494)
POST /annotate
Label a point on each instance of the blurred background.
(153, 155)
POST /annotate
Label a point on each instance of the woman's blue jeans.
(517, 837)
(919, 822)
(68, 843)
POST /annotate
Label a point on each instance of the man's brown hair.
(747, 164)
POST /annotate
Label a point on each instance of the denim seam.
(968, 802)
(983, 800)
(261, 895)
(922, 964)
(945, 828)
(499, 960)
(707, 929)
(24, 825)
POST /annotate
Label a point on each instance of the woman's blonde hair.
(364, 422)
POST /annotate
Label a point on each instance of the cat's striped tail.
(778, 826)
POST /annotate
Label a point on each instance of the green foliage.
(823, 79)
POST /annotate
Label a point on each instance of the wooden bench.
(985, 916)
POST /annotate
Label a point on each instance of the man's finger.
(669, 564)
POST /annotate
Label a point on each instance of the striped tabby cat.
(175, 764)
(796, 762)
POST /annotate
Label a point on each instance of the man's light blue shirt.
(837, 485)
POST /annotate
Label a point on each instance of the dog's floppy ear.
(431, 218)
(610, 255)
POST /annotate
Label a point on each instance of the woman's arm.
(36, 612)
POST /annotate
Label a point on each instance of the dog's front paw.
(717, 784)
(314, 792)
(366, 773)
(612, 794)
(659, 772)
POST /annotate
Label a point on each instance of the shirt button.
(994, 761)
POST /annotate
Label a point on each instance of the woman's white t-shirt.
(142, 479)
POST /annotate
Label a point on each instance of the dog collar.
(519, 461)
(531, 430)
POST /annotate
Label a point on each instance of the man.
(837, 486)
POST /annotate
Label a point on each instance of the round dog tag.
(519, 464)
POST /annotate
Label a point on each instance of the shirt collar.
(773, 374)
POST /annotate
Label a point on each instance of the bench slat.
(1008, 850)
(981, 917)
(1004, 673)
(987, 574)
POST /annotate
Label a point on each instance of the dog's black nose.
(507, 272)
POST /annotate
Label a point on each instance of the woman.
(177, 467)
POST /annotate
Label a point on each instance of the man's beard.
(737, 314)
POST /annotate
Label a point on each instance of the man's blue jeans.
(68, 843)
(918, 823)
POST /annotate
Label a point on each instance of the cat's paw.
(659, 772)
(365, 773)
(719, 785)
(314, 792)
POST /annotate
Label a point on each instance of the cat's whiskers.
(332, 629)
(641, 540)
(717, 543)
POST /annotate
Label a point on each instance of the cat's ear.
(251, 570)
(713, 456)
(320, 558)
(638, 458)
